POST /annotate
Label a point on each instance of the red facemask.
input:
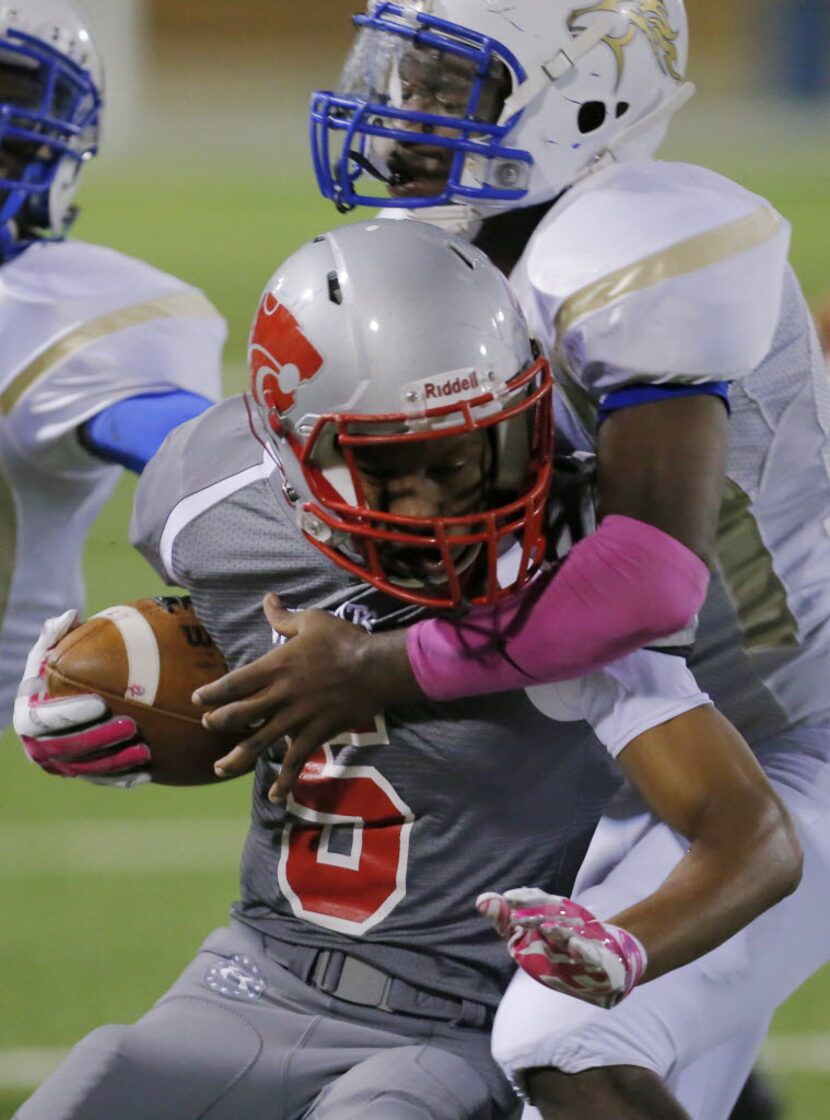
(360, 539)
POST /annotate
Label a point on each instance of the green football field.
(106, 895)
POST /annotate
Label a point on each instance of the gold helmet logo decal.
(649, 17)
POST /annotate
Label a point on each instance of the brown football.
(146, 659)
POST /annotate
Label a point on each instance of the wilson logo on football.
(280, 356)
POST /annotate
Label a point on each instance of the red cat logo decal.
(280, 357)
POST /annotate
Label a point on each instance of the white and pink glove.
(75, 736)
(564, 946)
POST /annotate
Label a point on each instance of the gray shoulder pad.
(199, 455)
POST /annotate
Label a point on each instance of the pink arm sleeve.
(622, 588)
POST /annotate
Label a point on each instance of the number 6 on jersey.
(345, 890)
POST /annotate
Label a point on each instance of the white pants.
(700, 1027)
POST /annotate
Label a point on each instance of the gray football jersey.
(393, 832)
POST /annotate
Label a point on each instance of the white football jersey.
(83, 327)
(665, 273)
(624, 699)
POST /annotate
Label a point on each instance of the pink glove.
(74, 736)
(564, 946)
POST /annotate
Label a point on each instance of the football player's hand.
(564, 946)
(318, 683)
(74, 736)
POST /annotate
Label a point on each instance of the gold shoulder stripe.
(184, 303)
(698, 252)
(8, 543)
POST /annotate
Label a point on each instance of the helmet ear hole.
(592, 115)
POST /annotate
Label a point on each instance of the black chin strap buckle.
(366, 165)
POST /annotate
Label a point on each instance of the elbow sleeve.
(624, 587)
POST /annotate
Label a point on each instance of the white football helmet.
(496, 103)
(388, 333)
(51, 94)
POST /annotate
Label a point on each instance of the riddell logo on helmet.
(280, 356)
(452, 387)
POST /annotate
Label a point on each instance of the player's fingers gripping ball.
(565, 947)
(74, 736)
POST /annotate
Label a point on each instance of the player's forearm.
(622, 588)
(744, 858)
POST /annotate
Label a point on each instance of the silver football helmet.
(390, 333)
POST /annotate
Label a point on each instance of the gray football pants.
(238, 1037)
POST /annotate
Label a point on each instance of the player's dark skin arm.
(699, 776)
(661, 463)
(664, 463)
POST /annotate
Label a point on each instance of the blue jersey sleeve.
(633, 395)
(131, 432)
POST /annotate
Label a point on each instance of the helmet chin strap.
(560, 65)
(665, 109)
(609, 154)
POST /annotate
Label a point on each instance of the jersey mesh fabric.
(473, 796)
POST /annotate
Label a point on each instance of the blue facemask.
(49, 118)
(418, 92)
